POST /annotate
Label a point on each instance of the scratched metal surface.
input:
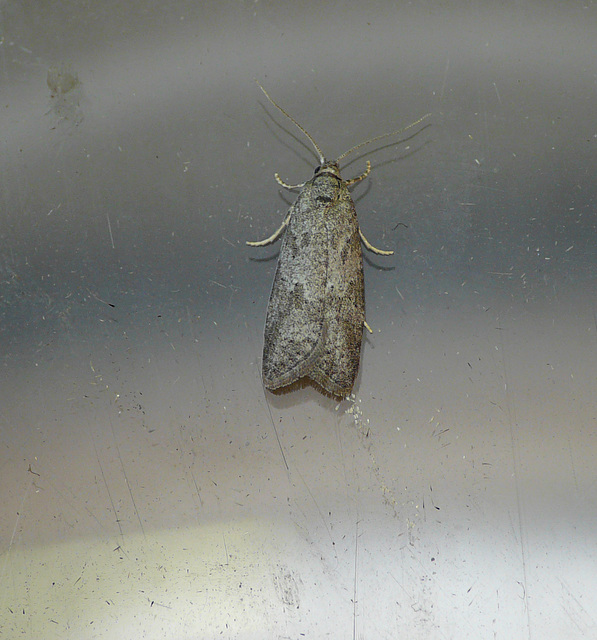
(149, 486)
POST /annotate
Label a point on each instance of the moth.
(316, 311)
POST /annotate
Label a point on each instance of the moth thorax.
(329, 167)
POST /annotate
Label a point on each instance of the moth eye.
(317, 169)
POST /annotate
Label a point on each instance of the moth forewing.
(294, 326)
(344, 312)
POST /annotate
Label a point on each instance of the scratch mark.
(497, 93)
(277, 436)
(441, 94)
(126, 478)
(325, 524)
(510, 412)
(197, 488)
(572, 462)
(583, 625)
(99, 462)
(93, 295)
(14, 529)
(354, 591)
(110, 230)
(225, 549)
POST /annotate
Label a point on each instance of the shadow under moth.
(316, 311)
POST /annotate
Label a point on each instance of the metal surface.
(150, 487)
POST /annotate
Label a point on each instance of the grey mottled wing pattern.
(294, 328)
(337, 366)
(316, 311)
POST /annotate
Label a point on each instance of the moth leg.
(287, 186)
(361, 177)
(369, 246)
(273, 237)
(369, 329)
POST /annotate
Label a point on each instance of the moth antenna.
(321, 156)
(383, 135)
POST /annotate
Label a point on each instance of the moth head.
(327, 166)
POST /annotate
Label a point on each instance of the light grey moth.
(316, 311)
